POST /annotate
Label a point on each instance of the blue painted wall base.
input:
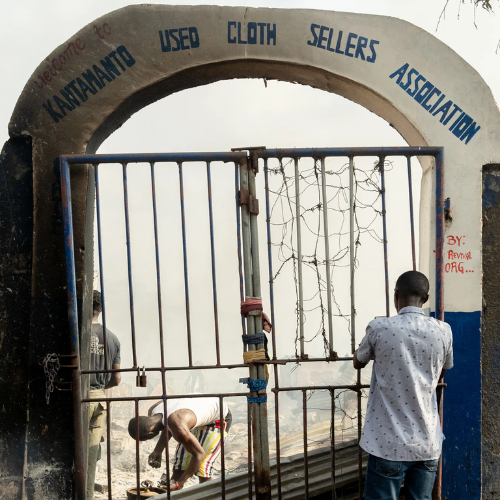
(462, 410)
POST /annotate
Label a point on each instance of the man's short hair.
(97, 301)
(413, 284)
(145, 425)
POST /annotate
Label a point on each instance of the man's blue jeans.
(385, 477)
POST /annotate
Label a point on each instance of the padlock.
(141, 380)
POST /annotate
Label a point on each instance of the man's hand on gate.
(155, 460)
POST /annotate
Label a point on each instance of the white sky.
(209, 119)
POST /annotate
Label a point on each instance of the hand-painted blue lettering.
(456, 122)
(175, 38)
(271, 34)
(252, 33)
(462, 126)
(84, 88)
(194, 38)
(183, 38)
(329, 44)
(450, 116)
(240, 40)
(400, 72)
(443, 110)
(108, 65)
(470, 133)
(437, 103)
(230, 38)
(362, 44)
(255, 33)
(125, 55)
(76, 92)
(165, 42)
(423, 92)
(349, 45)
(428, 97)
(417, 82)
(50, 110)
(322, 38)
(409, 81)
(372, 58)
(262, 30)
(339, 41)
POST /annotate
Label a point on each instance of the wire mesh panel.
(180, 261)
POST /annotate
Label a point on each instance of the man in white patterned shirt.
(402, 432)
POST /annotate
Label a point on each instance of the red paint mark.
(56, 65)
(106, 31)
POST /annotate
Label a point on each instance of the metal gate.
(332, 467)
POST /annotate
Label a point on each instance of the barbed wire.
(283, 220)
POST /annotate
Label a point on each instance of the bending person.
(195, 424)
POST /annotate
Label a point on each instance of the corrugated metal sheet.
(292, 477)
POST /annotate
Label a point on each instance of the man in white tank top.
(195, 424)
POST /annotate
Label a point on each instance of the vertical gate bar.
(249, 438)
(238, 238)
(360, 451)
(129, 263)
(332, 444)
(327, 255)
(108, 446)
(270, 256)
(412, 224)
(440, 236)
(184, 254)
(352, 253)
(137, 463)
(440, 226)
(212, 254)
(306, 459)
(261, 443)
(277, 430)
(167, 453)
(384, 226)
(157, 256)
(101, 265)
(247, 258)
(222, 458)
(80, 466)
(299, 258)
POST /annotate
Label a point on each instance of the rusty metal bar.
(167, 451)
(129, 263)
(300, 305)
(184, 254)
(277, 430)
(306, 460)
(324, 201)
(250, 462)
(360, 451)
(381, 164)
(212, 255)
(108, 447)
(222, 458)
(270, 259)
(101, 265)
(332, 445)
(137, 462)
(80, 465)
(352, 253)
(412, 223)
(157, 256)
(238, 239)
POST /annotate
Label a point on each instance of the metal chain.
(51, 366)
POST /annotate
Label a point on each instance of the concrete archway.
(132, 57)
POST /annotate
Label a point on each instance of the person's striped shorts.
(209, 438)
